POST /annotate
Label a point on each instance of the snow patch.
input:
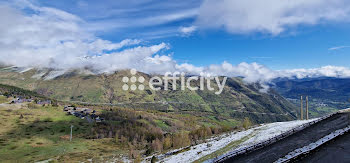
(54, 74)
(259, 134)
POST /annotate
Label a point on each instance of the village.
(82, 113)
(19, 100)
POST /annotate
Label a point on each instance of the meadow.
(32, 132)
(42, 133)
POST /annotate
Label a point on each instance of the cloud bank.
(51, 38)
(269, 16)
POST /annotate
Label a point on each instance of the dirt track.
(279, 149)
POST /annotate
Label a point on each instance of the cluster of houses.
(83, 113)
(321, 104)
(44, 102)
(20, 100)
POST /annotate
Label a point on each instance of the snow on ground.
(54, 74)
(271, 130)
(200, 150)
(259, 134)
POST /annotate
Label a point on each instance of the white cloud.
(269, 16)
(144, 21)
(140, 58)
(161, 19)
(188, 30)
(50, 38)
(257, 73)
(326, 71)
(338, 47)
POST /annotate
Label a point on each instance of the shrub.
(167, 142)
(157, 145)
(181, 139)
(246, 123)
(32, 106)
(154, 159)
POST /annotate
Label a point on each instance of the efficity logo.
(136, 83)
(169, 81)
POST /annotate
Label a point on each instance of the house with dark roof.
(44, 102)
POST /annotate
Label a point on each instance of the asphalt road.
(334, 151)
(279, 149)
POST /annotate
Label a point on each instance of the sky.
(259, 40)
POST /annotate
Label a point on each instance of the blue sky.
(300, 46)
(259, 40)
(307, 49)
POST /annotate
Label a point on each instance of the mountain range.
(237, 101)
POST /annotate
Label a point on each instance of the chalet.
(44, 102)
(79, 110)
(82, 116)
(68, 108)
(93, 116)
(77, 114)
(88, 111)
(98, 119)
(71, 112)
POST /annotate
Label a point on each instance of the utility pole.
(301, 108)
(307, 107)
(71, 132)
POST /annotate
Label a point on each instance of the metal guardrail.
(269, 141)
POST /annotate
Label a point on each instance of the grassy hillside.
(237, 101)
(3, 99)
(8, 90)
(136, 123)
(32, 133)
(29, 135)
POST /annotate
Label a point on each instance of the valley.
(174, 81)
(325, 94)
(139, 125)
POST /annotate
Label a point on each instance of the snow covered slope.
(254, 135)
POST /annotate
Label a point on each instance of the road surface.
(337, 150)
(309, 135)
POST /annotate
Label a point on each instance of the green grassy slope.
(42, 133)
(237, 101)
